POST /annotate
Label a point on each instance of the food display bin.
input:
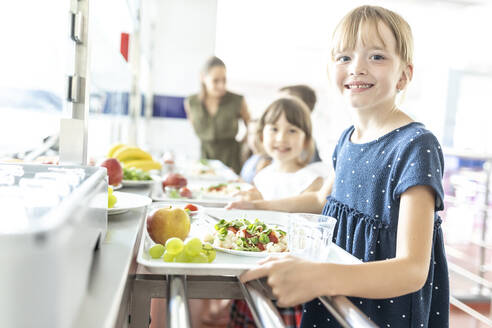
(52, 219)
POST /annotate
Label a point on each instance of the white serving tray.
(225, 264)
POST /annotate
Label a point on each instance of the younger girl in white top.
(285, 133)
(286, 136)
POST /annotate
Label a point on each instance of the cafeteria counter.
(112, 273)
(120, 291)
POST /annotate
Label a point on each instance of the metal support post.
(73, 131)
(178, 312)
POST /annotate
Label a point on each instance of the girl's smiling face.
(370, 75)
(284, 142)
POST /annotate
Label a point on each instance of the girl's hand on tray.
(291, 278)
(241, 204)
(249, 195)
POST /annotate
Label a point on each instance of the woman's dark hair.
(209, 64)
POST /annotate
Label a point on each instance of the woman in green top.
(214, 114)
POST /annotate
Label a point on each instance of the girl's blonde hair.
(298, 114)
(350, 29)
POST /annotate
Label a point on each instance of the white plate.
(246, 253)
(159, 196)
(127, 201)
(117, 187)
(220, 171)
(226, 195)
(137, 183)
(271, 218)
(201, 196)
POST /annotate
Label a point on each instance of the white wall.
(289, 42)
(35, 48)
(184, 38)
(109, 70)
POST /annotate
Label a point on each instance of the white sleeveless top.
(274, 185)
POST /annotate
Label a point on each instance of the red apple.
(185, 192)
(175, 180)
(115, 172)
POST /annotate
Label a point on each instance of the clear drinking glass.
(309, 236)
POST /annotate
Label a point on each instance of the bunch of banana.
(130, 156)
(114, 148)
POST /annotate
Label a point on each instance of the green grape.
(193, 246)
(156, 251)
(199, 258)
(174, 245)
(173, 193)
(209, 251)
(111, 200)
(168, 257)
(207, 247)
(182, 257)
(211, 255)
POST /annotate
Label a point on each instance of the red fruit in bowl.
(115, 172)
(175, 180)
(185, 192)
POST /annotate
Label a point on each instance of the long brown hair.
(298, 114)
(209, 64)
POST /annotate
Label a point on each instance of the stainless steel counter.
(52, 218)
(107, 301)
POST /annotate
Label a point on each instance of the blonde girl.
(385, 192)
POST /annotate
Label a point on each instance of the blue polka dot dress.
(365, 200)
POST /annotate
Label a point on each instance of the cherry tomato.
(272, 237)
(191, 207)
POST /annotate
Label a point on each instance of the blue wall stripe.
(167, 106)
(115, 103)
(30, 99)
